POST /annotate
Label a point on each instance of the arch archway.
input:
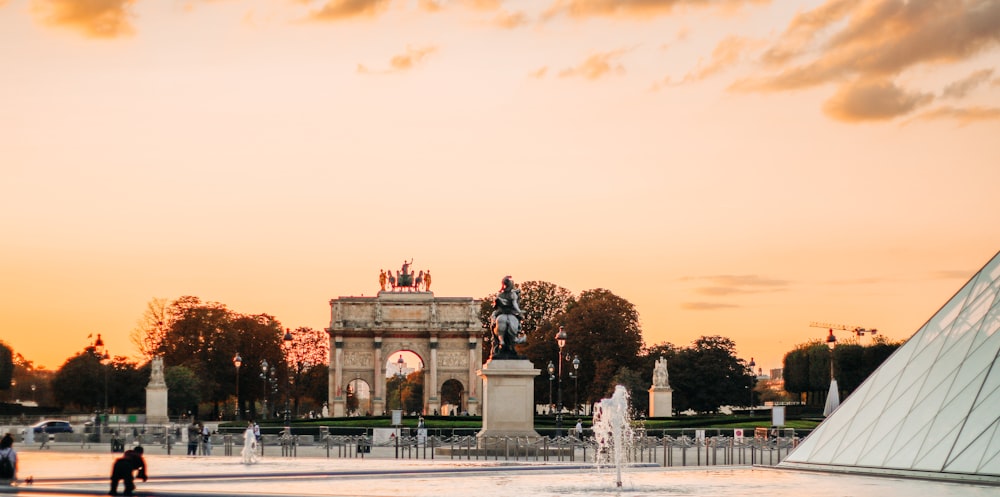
(367, 334)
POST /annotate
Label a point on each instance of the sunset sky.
(731, 167)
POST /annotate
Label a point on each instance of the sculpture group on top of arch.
(405, 280)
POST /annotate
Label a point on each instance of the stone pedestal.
(661, 402)
(508, 398)
(156, 405)
(156, 394)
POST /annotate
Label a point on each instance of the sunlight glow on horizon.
(728, 170)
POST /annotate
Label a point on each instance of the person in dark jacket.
(122, 470)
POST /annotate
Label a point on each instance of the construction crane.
(857, 330)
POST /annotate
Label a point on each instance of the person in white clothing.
(249, 445)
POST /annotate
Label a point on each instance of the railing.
(668, 448)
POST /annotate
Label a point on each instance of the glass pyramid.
(932, 409)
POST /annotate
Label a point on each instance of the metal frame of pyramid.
(932, 409)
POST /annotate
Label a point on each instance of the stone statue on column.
(661, 396)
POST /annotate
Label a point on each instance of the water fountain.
(613, 432)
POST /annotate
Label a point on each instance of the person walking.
(8, 460)
(123, 468)
(579, 429)
(193, 433)
(206, 441)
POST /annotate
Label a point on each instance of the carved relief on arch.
(358, 359)
(452, 360)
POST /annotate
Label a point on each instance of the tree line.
(199, 341)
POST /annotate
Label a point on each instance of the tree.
(603, 331)
(637, 387)
(200, 337)
(126, 384)
(151, 330)
(413, 392)
(6, 366)
(259, 338)
(807, 367)
(708, 375)
(307, 350)
(182, 389)
(80, 381)
(314, 385)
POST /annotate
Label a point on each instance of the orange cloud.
(596, 66)
(635, 8)
(881, 38)
(402, 62)
(873, 101)
(964, 115)
(861, 45)
(94, 18)
(729, 284)
(726, 54)
(963, 87)
(539, 73)
(510, 20)
(706, 306)
(336, 10)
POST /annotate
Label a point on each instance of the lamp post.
(33, 393)
(575, 374)
(751, 366)
(237, 361)
(400, 376)
(833, 397)
(561, 341)
(552, 376)
(265, 375)
(288, 413)
(102, 356)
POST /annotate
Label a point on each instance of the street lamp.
(575, 374)
(832, 398)
(237, 361)
(288, 414)
(265, 375)
(561, 341)
(33, 393)
(400, 376)
(552, 376)
(751, 366)
(102, 356)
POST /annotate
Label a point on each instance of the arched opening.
(359, 398)
(404, 373)
(452, 396)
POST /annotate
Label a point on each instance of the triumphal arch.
(366, 332)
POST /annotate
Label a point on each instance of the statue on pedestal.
(505, 321)
(660, 376)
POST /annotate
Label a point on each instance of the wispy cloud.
(726, 54)
(728, 284)
(951, 274)
(636, 8)
(93, 18)
(864, 45)
(962, 115)
(706, 306)
(337, 10)
(596, 66)
(402, 62)
(872, 101)
(966, 85)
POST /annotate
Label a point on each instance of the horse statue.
(505, 321)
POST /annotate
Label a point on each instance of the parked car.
(52, 426)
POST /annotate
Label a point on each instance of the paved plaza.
(72, 470)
